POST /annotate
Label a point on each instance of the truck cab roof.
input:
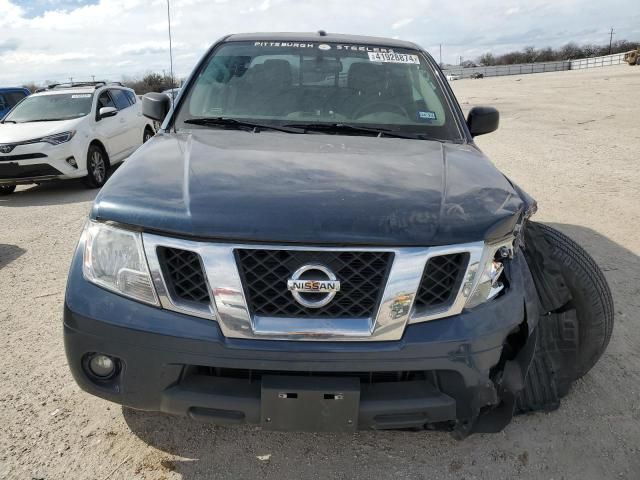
(320, 37)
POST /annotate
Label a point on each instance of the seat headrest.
(366, 78)
(276, 72)
(399, 83)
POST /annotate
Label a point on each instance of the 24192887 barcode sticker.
(394, 58)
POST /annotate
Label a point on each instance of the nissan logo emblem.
(313, 286)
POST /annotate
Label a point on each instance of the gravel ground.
(570, 139)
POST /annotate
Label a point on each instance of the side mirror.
(107, 112)
(156, 106)
(483, 120)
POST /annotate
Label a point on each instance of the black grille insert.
(13, 170)
(23, 156)
(365, 377)
(184, 275)
(441, 280)
(265, 273)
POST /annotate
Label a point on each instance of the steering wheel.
(373, 107)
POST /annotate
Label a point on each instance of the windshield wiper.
(9, 121)
(233, 122)
(350, 128)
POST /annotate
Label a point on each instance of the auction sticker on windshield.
(394, 58)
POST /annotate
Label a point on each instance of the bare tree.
(567, 52)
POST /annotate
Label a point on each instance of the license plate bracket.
(318, 404)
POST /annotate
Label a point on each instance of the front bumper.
(41, 162)
(442, 372)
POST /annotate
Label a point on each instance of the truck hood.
(325, 189)
(21, 132)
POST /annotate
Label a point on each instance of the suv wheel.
(148, 135)
(97, 167)
(7, 189)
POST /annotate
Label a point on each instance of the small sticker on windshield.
(394, 58)
(81, 95)
(427, 115)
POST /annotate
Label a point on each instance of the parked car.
(476, 75)
(10, 97)
(328, 250)
(69, 131)
(453, 76)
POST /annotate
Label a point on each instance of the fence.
(541, 67)
(501, 70)
(605, 61)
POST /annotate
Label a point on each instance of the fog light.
(102, 366)
(72, 161)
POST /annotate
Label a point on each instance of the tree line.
(570, 51)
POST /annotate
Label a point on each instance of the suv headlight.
(114, 259)
(58, 138)
(484, 279)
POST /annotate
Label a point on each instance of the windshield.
(59, 106)
(309, 84)
(9, 99)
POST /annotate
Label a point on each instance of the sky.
(53, 40)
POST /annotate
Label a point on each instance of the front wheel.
(97, 167)
(7, 189)
(571, 339)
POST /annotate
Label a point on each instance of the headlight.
(114, 259)
(58, 138)
(484, 281)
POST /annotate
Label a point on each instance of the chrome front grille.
(265, 274)
(183, 275)
(244, 287)
(441, 280)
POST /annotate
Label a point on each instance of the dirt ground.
(571, 139)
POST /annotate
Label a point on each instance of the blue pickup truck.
(9, 98)
(314, 241)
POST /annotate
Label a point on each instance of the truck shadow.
(209, 451)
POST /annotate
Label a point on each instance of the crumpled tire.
(573, 337)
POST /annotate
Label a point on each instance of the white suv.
(70, 131)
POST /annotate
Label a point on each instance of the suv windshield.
(46, 108)
(320, 87)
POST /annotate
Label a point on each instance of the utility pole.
(440, 54)
(170, 51)
(93, 78)
(610, 39)
(70, 79)
(460, 60)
